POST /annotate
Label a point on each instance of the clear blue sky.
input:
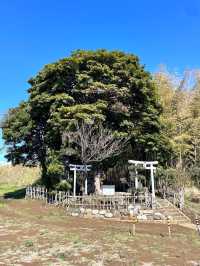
(37, 32)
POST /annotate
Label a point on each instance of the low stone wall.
(141, 215)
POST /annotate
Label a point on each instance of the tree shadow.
(16, 194)
(19, 193)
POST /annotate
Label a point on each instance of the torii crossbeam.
(150, 166)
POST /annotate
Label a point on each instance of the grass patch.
(72, 237)
(75, 239)
(194, 239)
(28, 243)
(61, 256)
(2, 204)
(13, 179)
(193, 206)
(44, 232)
(6, 188)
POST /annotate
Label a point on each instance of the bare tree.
(96, 144)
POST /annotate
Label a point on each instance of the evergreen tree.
(89, 86)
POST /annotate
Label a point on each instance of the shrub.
(63, 185)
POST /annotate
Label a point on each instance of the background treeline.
(97, 101)
(180, 99)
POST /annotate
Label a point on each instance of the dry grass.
(192, 209)
(191, 191)
(17, 177)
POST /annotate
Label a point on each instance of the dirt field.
(34, 234)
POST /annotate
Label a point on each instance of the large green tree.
(112, 88)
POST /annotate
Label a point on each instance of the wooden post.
(135, 220)
(198, 225)
(169, 226)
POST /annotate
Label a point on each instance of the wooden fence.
(99, 202)
(39, 192)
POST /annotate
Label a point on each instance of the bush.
(63, 185)
(55, 172)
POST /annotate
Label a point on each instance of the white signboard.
(108, 190)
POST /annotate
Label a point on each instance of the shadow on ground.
(19, 193)
(16, 194)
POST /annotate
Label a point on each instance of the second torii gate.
(80, 168)
(150, 166)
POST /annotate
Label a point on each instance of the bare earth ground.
(34, 234)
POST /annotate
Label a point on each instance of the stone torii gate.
(79, 168)
(150, 166)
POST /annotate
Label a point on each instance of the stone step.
(168, 209)
(177, 218)
(172, 213)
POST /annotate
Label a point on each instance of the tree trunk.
(45, 179)
(44, 176)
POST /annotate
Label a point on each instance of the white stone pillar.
(86, 186)
(136, 179)
(75, 182)
(152, 186)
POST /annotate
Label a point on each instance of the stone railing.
(99, 206)
(115, 202)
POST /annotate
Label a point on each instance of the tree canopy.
(107, 87)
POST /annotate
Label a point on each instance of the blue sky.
(37, 32)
